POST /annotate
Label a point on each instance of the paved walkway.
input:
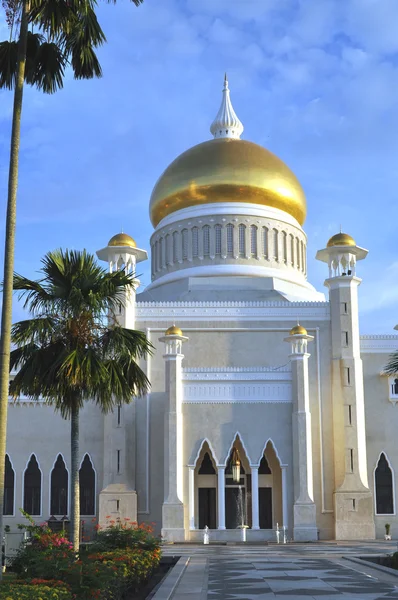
(291, 572)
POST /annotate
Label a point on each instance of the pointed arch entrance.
(384, 487)
(269, 488)
(238, 488)
(206, 488)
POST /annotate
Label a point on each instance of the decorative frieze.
(263, 384)
(374, 344)
(230, 311)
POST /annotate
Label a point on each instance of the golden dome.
(173, 330)
(298, 330)
(341, 239)
(227, 170)
(122, 239)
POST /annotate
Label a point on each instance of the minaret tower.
(353, 503)
(118, 498)
(122, 253)
(173, 507)
(304, 509)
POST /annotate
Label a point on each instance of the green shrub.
(119, 570)
(34, 591)
(123, 557)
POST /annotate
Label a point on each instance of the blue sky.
(316, 82)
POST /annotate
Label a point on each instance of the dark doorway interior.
(265, 507)
(207, 508)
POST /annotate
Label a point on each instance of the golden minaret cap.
(226, 124)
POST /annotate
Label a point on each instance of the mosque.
(267, 408)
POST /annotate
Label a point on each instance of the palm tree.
(62, 32)
(72, 349)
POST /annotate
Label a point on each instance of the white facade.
(310, 415)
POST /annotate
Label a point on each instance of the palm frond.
(36, 297)
(50, 68)
(391, 367)
(52, 16)
(33, 42)
(118, 341)
(8, 64)
(39, 330)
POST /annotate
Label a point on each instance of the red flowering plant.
(43, 553)
(125, 534)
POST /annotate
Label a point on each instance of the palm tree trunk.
(6, 314)
(75, 495)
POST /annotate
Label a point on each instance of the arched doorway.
(269, 489)
(206, 489)
(238, 504)
(384, 487)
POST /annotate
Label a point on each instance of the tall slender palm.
(63, 32)
(67, 353)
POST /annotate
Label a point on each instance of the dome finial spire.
(226, 124)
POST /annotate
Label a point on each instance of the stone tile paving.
(301, 578)
(285, 572)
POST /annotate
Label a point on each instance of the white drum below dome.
(231, 240)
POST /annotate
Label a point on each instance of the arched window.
(59, 488)
(153, 260)
(298, 254)
(9, 486)
(384, 487)
(264, 467)
(284, 234)
(217, 229)
(276, 248)
(32, 488)
(292, 249)
(302, 256)
(167, 249)
(242, 240)
(207, 467)
(253, 240)
(265, 242)
(230, 239)
(184, 234)
(156, 256)
(160, 264)
(395, 387)
(87, 487)
(206, 240)
(195, 242)
(175, 247)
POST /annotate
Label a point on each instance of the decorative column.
(285, 518)
(304, 509)
(255, 500)
(221, 497)
(353, 501)
(118, 498)
(173, 508)
(192, 497)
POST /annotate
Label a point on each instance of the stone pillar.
(285, 517)
(353, 501)
(221, 497)
(173, 508)
(304, 509)
(255, 499)
(192, 497)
